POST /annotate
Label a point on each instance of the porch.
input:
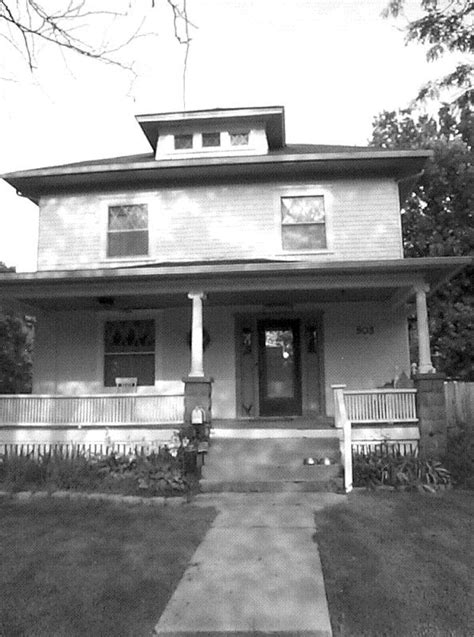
(95, 421)
(247, 453)
(94, 410)
(375, 415)
(275, 337)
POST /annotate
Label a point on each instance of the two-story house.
(224, 252)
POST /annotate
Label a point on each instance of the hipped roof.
(147, 172)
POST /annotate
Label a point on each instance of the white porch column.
(425, 365)
(197, 365)
(338, 396)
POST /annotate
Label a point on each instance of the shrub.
(163, 472)
(409, 472)
(18, 472)
(69, 473)
(156, 474)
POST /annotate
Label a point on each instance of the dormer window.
(211, 140)
(215, 132)
(183, 142)
(239, 139)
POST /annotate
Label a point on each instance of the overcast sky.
(333, 65)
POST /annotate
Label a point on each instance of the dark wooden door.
(279, 367)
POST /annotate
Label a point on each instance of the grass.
(91, 568)
(399, 564)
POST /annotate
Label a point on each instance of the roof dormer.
(217, 132)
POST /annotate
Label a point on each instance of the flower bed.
(166, 471)
(383, 468)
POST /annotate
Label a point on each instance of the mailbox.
(198, 416)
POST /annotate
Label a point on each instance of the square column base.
(197, 393)
(431, 409)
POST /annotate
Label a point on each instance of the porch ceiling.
(267, 283)
(262, 298)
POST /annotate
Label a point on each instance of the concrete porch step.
(276, 464)
(281, 422)
(284, 472)
(272, 486)
(234, 457)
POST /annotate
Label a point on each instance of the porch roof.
(162, 285)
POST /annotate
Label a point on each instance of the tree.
(437, 220)
(446, 26)
(16, 347)
(25, 25)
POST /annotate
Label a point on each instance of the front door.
(279, 367)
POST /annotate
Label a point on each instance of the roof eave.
(445, 266)
(33, 184)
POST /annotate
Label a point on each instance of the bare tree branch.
(182, 26)
(8, 16)
(28, 22)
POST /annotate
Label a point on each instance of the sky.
(333, 65)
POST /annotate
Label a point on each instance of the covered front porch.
(273, 336)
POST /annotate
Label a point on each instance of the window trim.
(112, 200)
(103, 316)
(116, 317)
(239, 133)
(310, 190)
(212, 146)
(185, 149)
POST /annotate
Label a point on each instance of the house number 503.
(365, 329)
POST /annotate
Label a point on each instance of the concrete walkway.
(257, 571)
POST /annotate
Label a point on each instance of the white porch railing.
(381, 405)
(345, 442)
(375, 407)
(91, 409)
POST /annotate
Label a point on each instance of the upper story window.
(303, 223)
(239, 139)
(183, 142)
(129, 351)
(127, 234)
(211, 140)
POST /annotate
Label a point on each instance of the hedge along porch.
(346, 323)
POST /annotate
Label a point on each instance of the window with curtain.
(303, 223)
(127, 233)
(129, 351)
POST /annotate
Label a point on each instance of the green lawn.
(399, 564)
(92, 568)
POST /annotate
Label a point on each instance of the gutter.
(248, 160)
(242, 269)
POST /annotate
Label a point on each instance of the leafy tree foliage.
(437, 220)
(16, 346)
(446, 26)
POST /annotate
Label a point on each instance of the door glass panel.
(279, 363)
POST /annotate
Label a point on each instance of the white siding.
(223, 222)
(66, 354)
(364, 361)
(219, 357)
